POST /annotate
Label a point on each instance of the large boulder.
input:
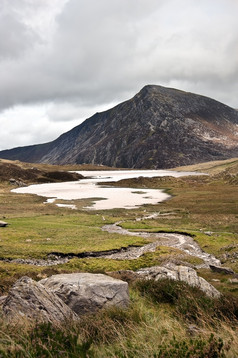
(30, 299)
(180, 273)
(86, 292)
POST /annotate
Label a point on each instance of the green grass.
(149, 259)
(62, 233)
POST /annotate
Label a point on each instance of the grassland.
(205, 207)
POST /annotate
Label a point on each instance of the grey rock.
(19, 182)
(12, 181)
(31, 300)
(233, 280)
(224, 270)
(209, 233)
(86, 292)
(179, 273)
(3, 224)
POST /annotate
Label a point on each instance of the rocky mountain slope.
(158, 128)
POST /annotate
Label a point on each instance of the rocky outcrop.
(86, 292)
(158, 128)
(63, 297)
(180, 273)
(31, 300)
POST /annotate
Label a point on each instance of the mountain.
(158, 128)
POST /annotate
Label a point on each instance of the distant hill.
(158, 128)
(19, 173)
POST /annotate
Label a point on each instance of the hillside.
(22, 173)
(158, 128)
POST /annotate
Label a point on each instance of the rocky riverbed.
(180, 241)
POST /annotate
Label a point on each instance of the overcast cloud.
(63, 60)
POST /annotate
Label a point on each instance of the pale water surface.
(103, 196)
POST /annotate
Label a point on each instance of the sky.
(63, 60)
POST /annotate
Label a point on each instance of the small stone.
(224, 270)
(28, 240)
(233, 280)
(12, 181)
(3, 224)
(209, 233)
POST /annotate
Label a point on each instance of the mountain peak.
(153, 90)
(157, 89)
(158, 128)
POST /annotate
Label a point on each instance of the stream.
(182, 242)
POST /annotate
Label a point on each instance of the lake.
(103, 196)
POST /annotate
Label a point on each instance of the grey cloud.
(105, 51)
(15, 36)
(65, 111)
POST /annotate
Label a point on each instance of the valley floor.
(205, 207)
